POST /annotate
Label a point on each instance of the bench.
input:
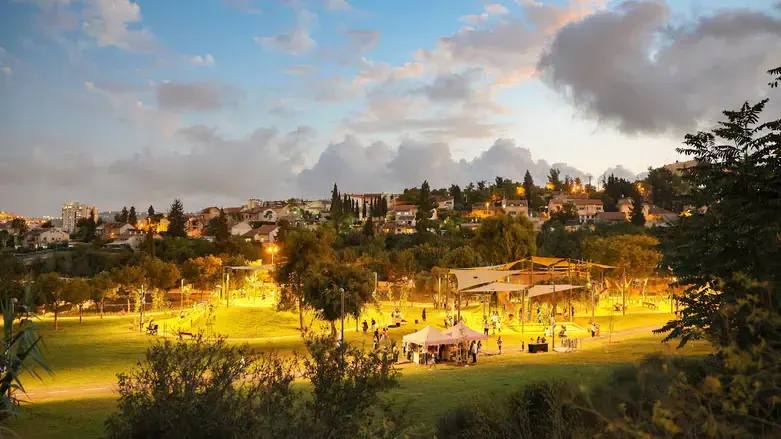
(182, 334)
(151, 329)
(650, 305)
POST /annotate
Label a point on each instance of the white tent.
(470, 277)
(497, 286)
(539, 290)
(428, 336)
(462, 332)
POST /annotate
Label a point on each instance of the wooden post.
(623, 293)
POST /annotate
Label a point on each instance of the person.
(485, 326)
(473, 351)
(445, 322)
(479, 346)
(499, 326)
(499, 344)
(592, 327)
(538, 339)
(523, 345)
(374, 326)
(597, 329)
(376, 336)
(423, 314)
(365, 327)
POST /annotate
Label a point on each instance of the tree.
(554, 180)
(729, 256)
(336, 204)
(132, 219)
(159, 275)
(77, 291)
(636, 216)
(19, 226)
(528, 186)
(458, 197)
(103, 287)
(301, 250)
(124, 216)
(426, 206)
(634, 256)
(323, 289)
(368, 227)
(47, 225)
(21, 351)
(129, 279)
(502, 239)
(176, 220)
(202, 272)
(665, 189)
(50, 286)
(151, 211)
(218, 227)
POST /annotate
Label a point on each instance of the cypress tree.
(176, 220)
(132, 218)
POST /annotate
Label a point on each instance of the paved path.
(66, 392)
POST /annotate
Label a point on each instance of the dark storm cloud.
(638, 69)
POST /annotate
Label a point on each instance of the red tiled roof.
(232, 209)
(266, 229)
(516, 202)
(404, 208)
(610, 216)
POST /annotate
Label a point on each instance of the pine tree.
(123, 217)
(528, 185)
(132, 218)
(426, 205)
(636, 216)
(554, 180)
(335, 204)
(363, 212)
(219, 227)
(150, 211)
(368, 227)
(176, 220)
(384, 205)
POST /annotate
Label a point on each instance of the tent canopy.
(462, 332)
(476, 276)
(497, 286)
(428, 336)
(539, 290)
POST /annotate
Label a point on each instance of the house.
(659, 217)
(240, 229)
(445, 203)
(194, 227)
(610, 217)
(42, 238)
(625, 206)
(133, 241)
(108, 231)
(265, 234)
(209, 214)
(586, 209)
(516, 207)
(317, 207)
(403, 214)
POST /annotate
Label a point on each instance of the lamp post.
(272, 250)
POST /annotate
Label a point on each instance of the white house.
(240, 229)
(266, 234)
(44, 237)
(516, 207)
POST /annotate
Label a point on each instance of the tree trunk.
(128, 303)
(300, 315)
(81, 313)
(55, 314)
(101, 309)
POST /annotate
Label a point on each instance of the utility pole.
(227, 289)
(141, 310)
(553, 327)
(181, 295)
(623, 293)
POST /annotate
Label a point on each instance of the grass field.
(95, 351)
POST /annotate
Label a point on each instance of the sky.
(118, 102)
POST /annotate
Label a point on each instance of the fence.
(186, 320)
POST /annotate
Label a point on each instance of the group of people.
(496, 323)
(593, 328)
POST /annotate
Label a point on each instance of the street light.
(272, 250)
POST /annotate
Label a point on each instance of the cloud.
(109, 21)
(452, 87)
(379, 167)
(363, 40)
(301, 70)
(6, 70)
(294, 144)
(496, 9)
(195, 96)
(199, 60)
(490, 10)
(639, 70)
(619, 171)
(126, 104)
(242, 5)
(508, 48)
(337, 5)
(333, 89)
(295, 43)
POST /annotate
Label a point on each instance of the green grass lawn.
(95, 351)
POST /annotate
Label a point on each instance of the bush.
(206, 389)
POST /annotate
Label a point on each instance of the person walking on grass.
(423, 315)
(473, 351)
(485, 326)
(365, 327)
(499, 344)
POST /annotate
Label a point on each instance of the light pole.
(272, 250)
(141, 326)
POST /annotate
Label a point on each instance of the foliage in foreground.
(206, 389)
